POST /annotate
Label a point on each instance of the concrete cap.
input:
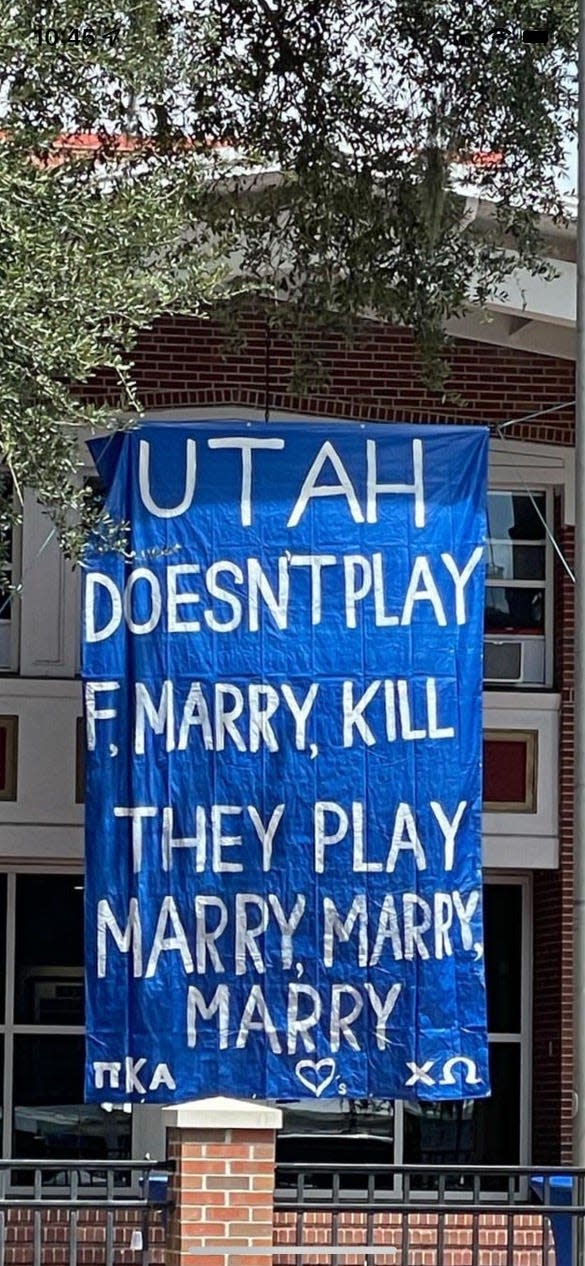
(211, 1114)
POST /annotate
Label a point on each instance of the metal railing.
(73, 1213)
(450, 1213)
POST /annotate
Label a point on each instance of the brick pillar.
(223, 1184)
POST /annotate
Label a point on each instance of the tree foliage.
(306, 150)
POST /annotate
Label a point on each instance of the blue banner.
(282, 685)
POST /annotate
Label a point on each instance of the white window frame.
(8, 1028)
(524, 1037)
(547, 585)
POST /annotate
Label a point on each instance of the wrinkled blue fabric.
(294, 910)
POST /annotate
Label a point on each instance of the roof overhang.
(528, 312)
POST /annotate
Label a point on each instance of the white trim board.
(515, 464)
(520, 852)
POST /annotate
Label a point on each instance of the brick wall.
(530, 1243)
(182, 362)
(553, 916)
(418, 1241)
(564, 931)
(17, 1234)
(222, 1193)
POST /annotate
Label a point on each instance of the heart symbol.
(316, 1087)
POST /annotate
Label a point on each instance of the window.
(510, 761)
(8, 757)
(326, 1131)
(518, 589)
(480, 1131)
(42, 1026)
(486, 1131)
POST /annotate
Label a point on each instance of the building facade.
(190, 369)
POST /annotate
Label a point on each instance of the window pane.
(515, 562)
(8, 757)
(513, 517)
(439, 1133)
(497, 1135)
(502, 916)
(509, 610)
(509, 771)
(336, 1131)
(50, 1118)
(49, 950)
(474, 1131)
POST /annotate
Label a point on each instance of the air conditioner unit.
(514, 661)
(503, 661)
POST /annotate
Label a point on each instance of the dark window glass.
(502, 915)
(509, 610)
(439, 1133)
(49, 950)
(7, 540)
(515, 562)
(513, 517)
(50, 1118)
(497, 1134)
(96, 490)
(335, 1132)
(515, 552)
(474, 1131)
(8, 757)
